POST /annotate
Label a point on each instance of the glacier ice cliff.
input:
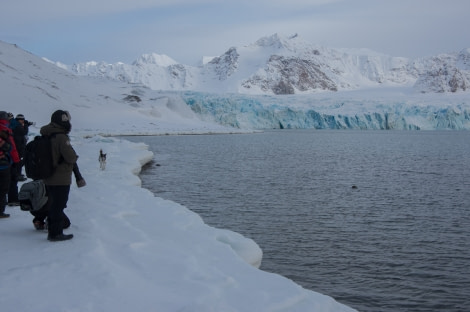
(327, 112)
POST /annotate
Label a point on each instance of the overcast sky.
(122, 30)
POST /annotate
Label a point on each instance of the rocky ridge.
(288, 65)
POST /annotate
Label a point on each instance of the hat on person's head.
(10, 116)
(62, 118)
(3, 115)
(20, 117)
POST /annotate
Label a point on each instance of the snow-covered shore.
(133, 251)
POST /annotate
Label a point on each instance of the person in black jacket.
(20, 133)
(19, 136)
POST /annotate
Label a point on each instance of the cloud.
(186, 30)
(14, 11)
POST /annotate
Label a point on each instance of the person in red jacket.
(5, 125)
(9, 156)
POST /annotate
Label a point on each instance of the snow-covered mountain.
(34, 87)
(290, 65)
(368, 96)
(445, 73)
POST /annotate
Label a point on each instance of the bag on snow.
(32, 195)
(38, 161)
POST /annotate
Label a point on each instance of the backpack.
(38, 161)
(5, 158)
(32, 195)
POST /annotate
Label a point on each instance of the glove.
(81, 183)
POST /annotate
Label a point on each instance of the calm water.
(398, 241)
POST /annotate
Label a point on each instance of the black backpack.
(38, 161)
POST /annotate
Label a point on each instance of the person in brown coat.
(58, 185)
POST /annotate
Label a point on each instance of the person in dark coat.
(20, 128)
(58, 185)
(9, 153)
(17, 126)
(19, 136)
(5, 165)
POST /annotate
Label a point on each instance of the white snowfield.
(131, 251)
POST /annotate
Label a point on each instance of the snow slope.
(36, 88)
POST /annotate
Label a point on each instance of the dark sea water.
(379, 220)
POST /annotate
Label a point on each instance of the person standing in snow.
(58, 185)
(8, 156)
(20, 130)
(5, 164)
(19, 136)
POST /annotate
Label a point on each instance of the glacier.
(358, 111)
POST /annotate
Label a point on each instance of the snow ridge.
(280, 64)
(446, 73)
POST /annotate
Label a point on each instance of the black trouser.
(58, 195)
(13, 190)
(4, 186)
(41, 215)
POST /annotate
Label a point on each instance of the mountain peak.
(155, 59)
(277, 41)
(463, 59)
(286, 45)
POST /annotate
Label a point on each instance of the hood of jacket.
(52, 128)
(14, 123)
(4, 124)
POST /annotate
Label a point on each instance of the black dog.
(102, 160)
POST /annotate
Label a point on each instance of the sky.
(186, 30)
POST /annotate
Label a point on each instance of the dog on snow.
(102, 160)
